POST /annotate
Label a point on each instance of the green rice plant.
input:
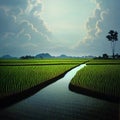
(42, 62)
(18, 75)
(101, 78)
(104, 62)
(14, 79)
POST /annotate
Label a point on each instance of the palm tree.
(112, 37)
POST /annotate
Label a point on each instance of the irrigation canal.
(56, 102)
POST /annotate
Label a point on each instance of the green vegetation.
(19, 75)
(100, 76)
(104, 62)
(41, 62)
(18, 78)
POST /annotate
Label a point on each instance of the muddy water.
(56, 102)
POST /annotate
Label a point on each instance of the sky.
(71, 27)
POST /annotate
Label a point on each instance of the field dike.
(14, 98)
(94, 94)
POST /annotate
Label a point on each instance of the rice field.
(101, 78)
(104, 62)
(30, 62)
(19, 75)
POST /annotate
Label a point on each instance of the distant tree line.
(27, 57)
(106, 56)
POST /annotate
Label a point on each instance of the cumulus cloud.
(93, 23)
(20, 21)
(23, 30)
(28, 36)
(105, 17)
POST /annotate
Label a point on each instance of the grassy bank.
(100, 78)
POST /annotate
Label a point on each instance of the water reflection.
(56, 102)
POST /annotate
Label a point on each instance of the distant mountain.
(43, 55)
(64, 56)
(47, 55)
(7, 57)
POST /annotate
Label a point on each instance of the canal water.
(57, 102)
